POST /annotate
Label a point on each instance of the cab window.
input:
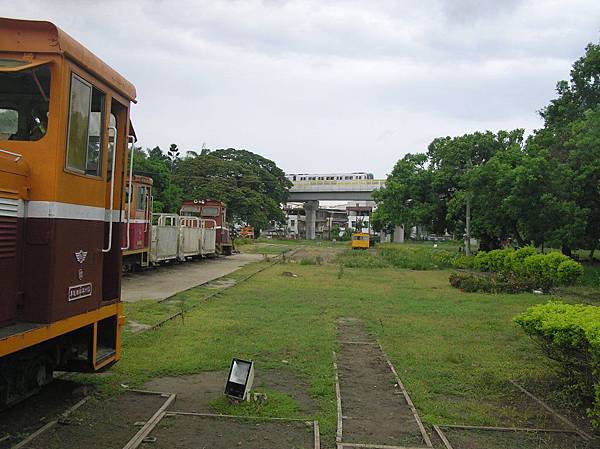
(24, 102)
(142, 198)
(210, 211)
(86, 119)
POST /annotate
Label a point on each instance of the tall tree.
(570, 134)
(252, 186)
(154, 164)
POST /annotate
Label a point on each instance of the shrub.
(570, 334)
(533, 268)
(514, 260)
(569, 272)
(443, 257)
(496, 260)
(470, 282)
(464, 262)
(481, 261)
(525, 268)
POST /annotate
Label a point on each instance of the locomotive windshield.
(210, 211)
(24, 102)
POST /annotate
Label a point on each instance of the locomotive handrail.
(112, 194)
(132, 140)
(17, 156)
(186, 221)
(162, 218)
(209, 219)
(147, 212)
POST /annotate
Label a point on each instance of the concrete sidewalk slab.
(164, 281)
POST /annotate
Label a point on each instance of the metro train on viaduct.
(71, 211)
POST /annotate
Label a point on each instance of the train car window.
(86, 117)
(112, 123)
(142, 199)
(24, 102)
(210, 211)
(9, 123)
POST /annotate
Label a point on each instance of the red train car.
(213, 212)
(137, 223)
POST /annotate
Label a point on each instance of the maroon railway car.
(137, 223)
(213, 212)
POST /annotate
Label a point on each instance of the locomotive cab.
(64, 125)
(213, 213)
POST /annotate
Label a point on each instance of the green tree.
(452, 161)
(408, 197)
(570, 134)
(251, 186)
(154, 164)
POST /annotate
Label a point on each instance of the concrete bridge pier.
(310, 209)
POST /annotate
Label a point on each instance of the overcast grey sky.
(322, 86)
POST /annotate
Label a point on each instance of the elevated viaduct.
(311, 192)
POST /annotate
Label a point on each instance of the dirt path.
(162, 282)
(196, 432)
(100, 423)
(374, 409)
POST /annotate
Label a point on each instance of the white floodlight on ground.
(240, 379)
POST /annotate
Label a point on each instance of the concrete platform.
(164, 281)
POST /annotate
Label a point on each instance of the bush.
(470, 282)
(570, 334)
(481, 261)
(514, 260)
(569, 272)
(526, 266)
(443, 257)
(464, 262)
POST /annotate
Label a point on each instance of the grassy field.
(455, 351)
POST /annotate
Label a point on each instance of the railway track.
(277, 260)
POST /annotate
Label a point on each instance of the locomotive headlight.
(240, 379)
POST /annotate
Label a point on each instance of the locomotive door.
(116, 168)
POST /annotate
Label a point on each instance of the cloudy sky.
(328, 86)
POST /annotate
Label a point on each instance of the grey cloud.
(325, 86)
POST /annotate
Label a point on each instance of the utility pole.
(468, 226)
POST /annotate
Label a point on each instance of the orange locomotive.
(64, 128)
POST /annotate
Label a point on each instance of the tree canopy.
(251, 186)
(545, 190)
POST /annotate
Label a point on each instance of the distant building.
(359, 215)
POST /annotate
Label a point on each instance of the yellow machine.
(247, 232)
(360, 240)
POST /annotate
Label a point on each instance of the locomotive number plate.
(80, 291)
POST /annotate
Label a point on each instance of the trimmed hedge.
(570, 334)
(527, 265)
(470, 282)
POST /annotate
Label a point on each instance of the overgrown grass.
(591, 275)
(454, 351)
(264, 248)
(414, 256)
(277, 404)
